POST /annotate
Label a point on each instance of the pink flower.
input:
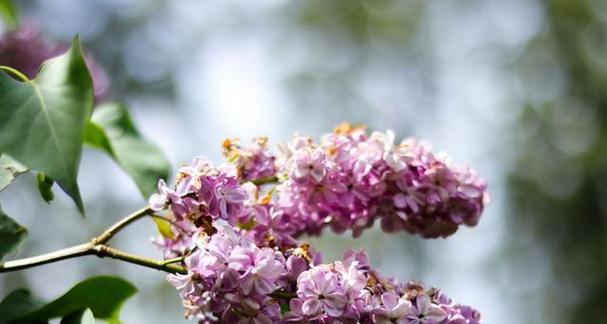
(230, 197)
(262, 273)
(251, 162)
(425, 312)
(246, 261)
(158, 201)
(320, 291)
(308, 163)
(394, 156)
(394, 309)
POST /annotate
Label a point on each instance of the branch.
(63, 254)
(97, 247)
(110, 232)
(173, 260)
(99, 250)
(106, 251)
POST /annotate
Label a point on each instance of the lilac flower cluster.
(231, 279)
(25, 50)
(252, 162)
(346, 181)
(350, 179)
(204, 193)
(238, 236)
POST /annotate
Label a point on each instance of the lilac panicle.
(347, 181)
(238, 233)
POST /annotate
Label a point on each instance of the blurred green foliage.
(558, 187)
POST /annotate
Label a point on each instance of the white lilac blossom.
(237, 227)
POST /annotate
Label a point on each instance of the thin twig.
(106, 251)
(110, 232)
(97, 247)
(173, 260)
(99, 250)
(68, 253)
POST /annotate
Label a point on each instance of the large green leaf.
(112, 130)
(17, 303)
(95, 137)
(9, 170)
(11, 234)
(103, 295)
(42, 121)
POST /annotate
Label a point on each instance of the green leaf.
(11, 234)
(45, 185)
(9, 170)
(164, 227)
(17, 303)
(112, 130)
(84, 316)
(95, 137)
(103, 295)
(42, 121)
(9, 13)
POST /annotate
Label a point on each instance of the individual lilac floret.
(321, 293)
(262, 270)
(393, 309)
(426, 312)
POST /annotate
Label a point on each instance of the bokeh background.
(517, 89)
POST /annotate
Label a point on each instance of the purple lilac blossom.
(25, 49)
(239, 236)
(347, 181)
(232, 280)
(252, 162)
(350, 179)
(203, 193)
